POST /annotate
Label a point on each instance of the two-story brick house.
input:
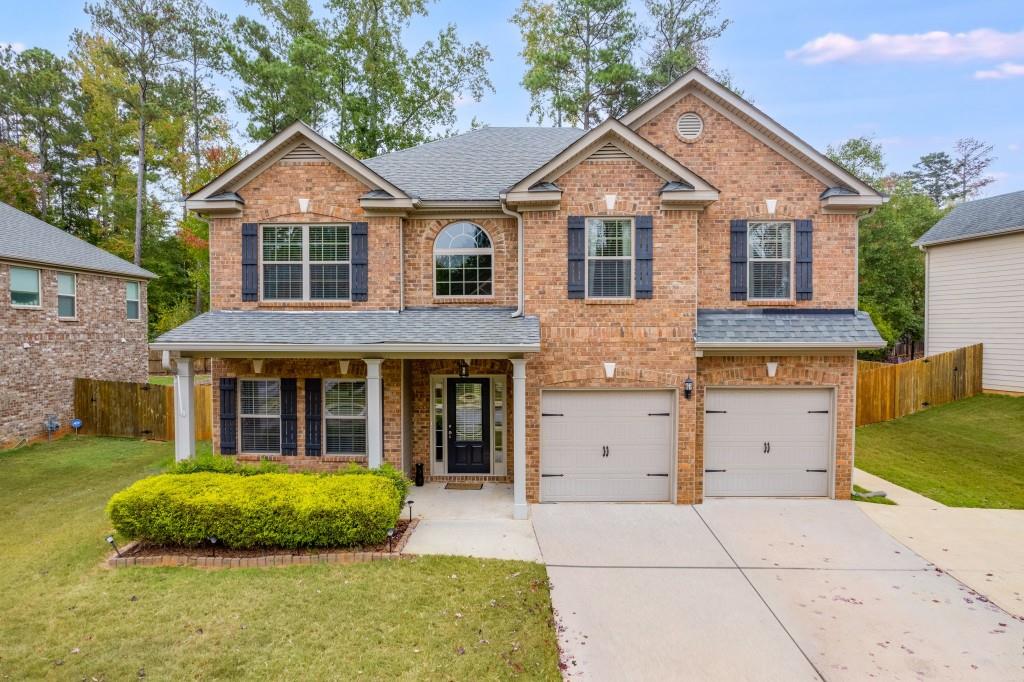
(660, 308)
(68, 309)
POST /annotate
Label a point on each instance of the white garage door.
(768, 442)
(611, 446)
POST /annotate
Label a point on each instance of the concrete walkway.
(760, 590)
(474, 523)
(984, 548)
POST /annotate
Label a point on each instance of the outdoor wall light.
(609, 370)
(773, 367)
(110, 541)
(688, 388)
(463, 369)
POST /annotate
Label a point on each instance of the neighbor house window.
(66, 295)
(131, 296)
(609, 257)
(306, 262)
(25, 287)
(260, 412)
(770, 259)
(345, 417)
(463, 261)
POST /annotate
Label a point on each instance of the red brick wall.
(100, 344)
(746, 172)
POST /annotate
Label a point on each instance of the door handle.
(769, 447)
(764, 447)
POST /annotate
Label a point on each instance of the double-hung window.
(260, 411)
(131, 296)
(67, 299)
(24, 287)
(609, 258)
(306, 262)
(345, 417)
(770, 260)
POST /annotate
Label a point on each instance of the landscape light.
(110, 541)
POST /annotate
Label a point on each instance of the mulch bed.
(210, 556)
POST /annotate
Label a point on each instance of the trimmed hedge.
(401, 481)
(225, 465)
(270, 510)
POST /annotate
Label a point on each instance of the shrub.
(225, 465)
(270, 510)
(396, 476)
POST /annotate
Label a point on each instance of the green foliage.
(861, 156)
(399, 479)
(269, 510)
(212, 463)
(680, 33)
(19, 185)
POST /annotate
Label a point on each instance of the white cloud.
(982, 43)
(1013, 147)
(1004, 70)
(17, 47)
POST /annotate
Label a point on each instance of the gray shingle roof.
(979, 218)
(475, 165)
(28, 239)
(774, 326)
(413, 326)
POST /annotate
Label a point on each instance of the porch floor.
(475, 523)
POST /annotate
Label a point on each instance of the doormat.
(463, 486)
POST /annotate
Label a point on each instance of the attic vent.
(690, 126)
(609, 152)
(303, 152)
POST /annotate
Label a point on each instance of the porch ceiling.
(423, 332)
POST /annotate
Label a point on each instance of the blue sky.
(813, 68)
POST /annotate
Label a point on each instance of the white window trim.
(324, 417)
(441, 468)
(127, 300)
(476, 251)
(792, 262)
(588, 258)
(305, 263)
(73, 295)
(39, 287)
(242, 416)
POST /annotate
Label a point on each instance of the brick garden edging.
(115, 561)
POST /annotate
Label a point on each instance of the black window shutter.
(577, 256)
(250, 262)
(738, 260)
(228, 416)
(360, 261)
(644, 256)
(804, 260)
(289, 425)
(313, 417)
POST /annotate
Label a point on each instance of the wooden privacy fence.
(886, 391)
(124, 408)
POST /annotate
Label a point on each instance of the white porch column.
(520, 509)
(184, 411)
(374, 414)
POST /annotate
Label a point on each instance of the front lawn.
(66, 616)
(964, 454)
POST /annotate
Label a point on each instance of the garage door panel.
(635, 428)
(771, 442)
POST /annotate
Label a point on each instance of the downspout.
(520, 294)
(401, 264)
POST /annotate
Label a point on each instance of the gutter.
(356, 349)
(520, 294)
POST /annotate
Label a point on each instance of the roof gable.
(754, 121)
(296, 141)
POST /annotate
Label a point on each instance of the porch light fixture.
(771, 204)
(609, 201)
(110, 541)
(688, 388)
(304, 205)
(463, 369)
(343, 366)
(609, 370)
(257, 366)
(773, 367)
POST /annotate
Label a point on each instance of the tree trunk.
(140, 182)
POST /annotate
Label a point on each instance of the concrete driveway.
(760, 590)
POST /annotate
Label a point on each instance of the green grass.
(65, 616)
(858, 496)
(168, 380)
(964, 454)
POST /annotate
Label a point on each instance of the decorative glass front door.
(469, 426)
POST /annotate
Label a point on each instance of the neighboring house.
(69, 309)
(660, 308)
(974, 286)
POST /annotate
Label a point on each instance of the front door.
(469, 426)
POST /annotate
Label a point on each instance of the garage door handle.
(816, 471)
(714, 411)
(659, 414)
(665, 475)
(817, 411)
(714, 471)
(551, 414)
(551, 475)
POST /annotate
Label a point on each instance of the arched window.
(463, 259)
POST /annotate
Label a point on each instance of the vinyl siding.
(976, 295)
